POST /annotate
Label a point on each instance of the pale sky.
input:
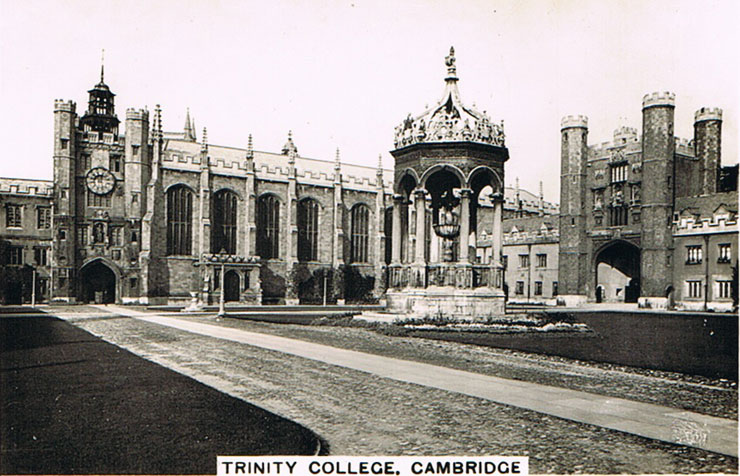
(345, 73)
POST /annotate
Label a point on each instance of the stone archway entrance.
(231, 286)
(97, 283)
(618, 273)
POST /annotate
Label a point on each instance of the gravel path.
(357, 413)
(694, 393)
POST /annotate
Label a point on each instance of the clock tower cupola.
(101, 112)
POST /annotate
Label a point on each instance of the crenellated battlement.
(64, 106)
(665, 98)
(684, 146)
(231, 162)
(708, 114)
(699, 225)
(137, 114)
(574, 121)
(26, 187)
(626, 133)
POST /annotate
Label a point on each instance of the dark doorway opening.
(618, 273)
(98, 283)
(231, 286)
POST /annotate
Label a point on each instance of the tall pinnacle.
(451, 68)
(337, 163)
(157, 122)
(189, 130)
(102, 66)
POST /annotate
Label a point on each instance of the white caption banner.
(371, 465)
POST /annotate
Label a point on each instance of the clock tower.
(99, 176)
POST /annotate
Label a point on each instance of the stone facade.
(108, 234)
(25, 236)
(530, 253)
(619, 201)
(705, 239)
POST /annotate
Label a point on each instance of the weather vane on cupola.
(102, 65)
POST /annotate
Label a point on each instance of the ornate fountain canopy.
(449, 120)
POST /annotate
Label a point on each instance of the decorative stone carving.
(617, 155)
(449, 120)
(598, 199)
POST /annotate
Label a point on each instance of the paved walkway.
(651, 421)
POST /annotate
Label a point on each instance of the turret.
(574, 265)
(707, 143)
(137, 162)
(658, 149)
(63, 256)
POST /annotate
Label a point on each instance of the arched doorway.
(618, 273)
(97, 283)
(231, 286)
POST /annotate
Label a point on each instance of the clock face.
(100, 180)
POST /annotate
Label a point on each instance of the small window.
(82, 235)
(542, 260)
(13, 216)
(538, 288)
(62, 234)
(694, 289)
(133, 283)
(43, 218)
(115, 163)
(619, 173)
(554, 288)
(505, 261)
(618, 216)
(116, 236)
(63, 143)
(524, 261)
(694, 254)
(15, 255)
(116, 255)
(724, 289)
(724, 251)
(519, 290)
(40, 255)
(134, 237)
(135, 150)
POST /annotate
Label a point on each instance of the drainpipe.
(529, 271)
(706, 272)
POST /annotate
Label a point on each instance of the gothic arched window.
(360, 236)
(268, 227)
(179, 220)
(224, 222)
(308, 230)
